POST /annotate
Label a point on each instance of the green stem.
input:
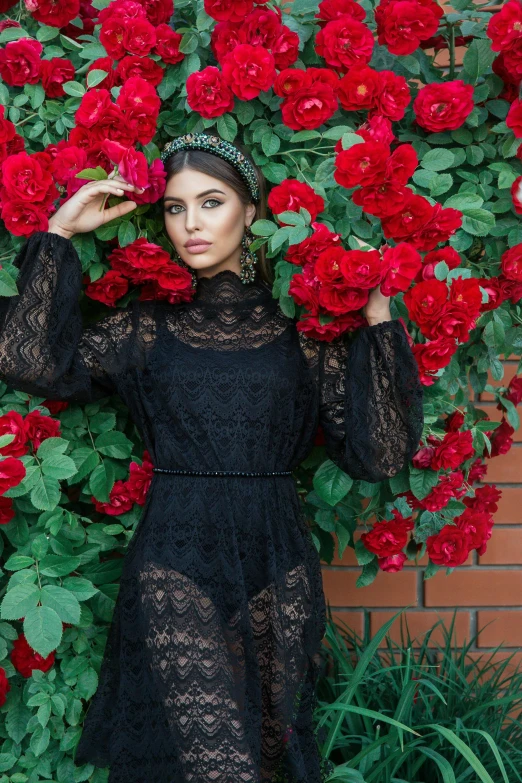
(321, 154)
(451, 42)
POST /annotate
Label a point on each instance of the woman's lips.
(198, 248)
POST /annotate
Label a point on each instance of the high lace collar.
(227, 288)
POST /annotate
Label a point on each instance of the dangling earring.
(248, 258)
(178, 260)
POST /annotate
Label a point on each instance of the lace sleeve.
(371, 400)
(44, 349)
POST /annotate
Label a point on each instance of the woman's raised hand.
(81, 213)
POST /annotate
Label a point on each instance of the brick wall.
(485, 590)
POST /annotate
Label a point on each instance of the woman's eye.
(215, 200)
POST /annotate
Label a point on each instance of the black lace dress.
(211, 661)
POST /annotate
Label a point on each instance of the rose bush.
(384, 170)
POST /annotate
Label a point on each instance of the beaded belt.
(223, 472)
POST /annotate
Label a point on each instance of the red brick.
(354, 621)
(509, 506)
(510, 370)
(506, 467)
(491, 659)
(420, 622)
(503, 548)
(505, 627)
(387, 589)
(481, 587)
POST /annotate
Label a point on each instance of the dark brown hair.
(214, 166)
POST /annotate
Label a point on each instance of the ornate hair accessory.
(221, 148)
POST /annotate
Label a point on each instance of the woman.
(210, 666)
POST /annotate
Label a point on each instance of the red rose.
(402, 263)
(12, 471)
(208, 93)
(132, 165)
(441, 224)
(5, 687)
(432, 356)
(138, 483)
(94, 104)
(327, 268)
(26, 180)
(40, 427)
(312, 326)
(486, 498)
(25, 659)
(511, 263)
(133, 36)
(505, 27)
(388, 537)
(478, 526)
(222, 10)
(260, 27)
(501, 440)
(344, 42)
(291, 195)
(516, 195)
(55, 406)
(362, 164)
(513, 61)
(108, 289)
(454, 449)
(304, 294)
(22, 218)
(394, 95)
(440, 107)
(54, 14)
(248, 71)
(158, 11)
(6, 510)
(285, 48)
(328, 10)
(393, 563)
(454, 422)
(12, 423)
(361, 269)
(139, 261)
(20, 62)
(359, 88)
(426, 302)
(464, 293)
(415, 214)
(441, 494)
(308, 250)
(119, 500)
(54, 73)
(430, 261)
(290, 81)
(309, 107)
(403, 24)
(144, 67)
(450, 547)
(167, 45)
(376, 128)
(340, 299)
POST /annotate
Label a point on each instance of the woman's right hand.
(81, 213)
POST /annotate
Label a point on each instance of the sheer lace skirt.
(210, 667)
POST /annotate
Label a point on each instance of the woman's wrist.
(378, 319)
(54, 228)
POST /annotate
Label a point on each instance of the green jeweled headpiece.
(216, 146)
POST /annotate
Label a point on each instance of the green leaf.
(87, 683)
(19, 600)
(96, 76)
(58, 565)
(58, 466)
(101, 481)
(331, 483)
(75, 89)
(43, 629)
(350, 139)
(422, 481)
(126, 233)
(17, 562)
(40, 740)
(369, 573)
(263, 228)
(438, 159)
(51, 446)
(477, 222)
(114, 444)
(227, 127)
(16, 721)
(7, 283)
(79, 587)
(64, 603)
(7, 761)
(45, 494)
(362, 554)
(478, 58)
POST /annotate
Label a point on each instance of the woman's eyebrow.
(200, 195)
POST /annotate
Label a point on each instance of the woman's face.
(198, 206)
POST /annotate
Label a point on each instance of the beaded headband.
(221, 148)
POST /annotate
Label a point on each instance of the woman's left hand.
(377, 308)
